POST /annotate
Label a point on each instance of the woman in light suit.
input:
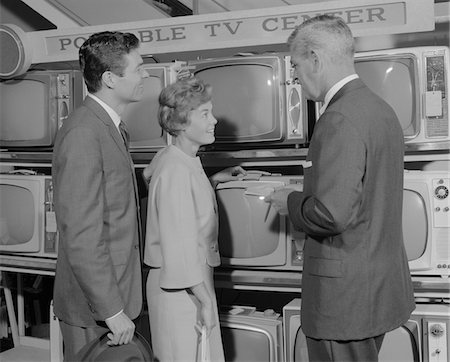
(182, 226)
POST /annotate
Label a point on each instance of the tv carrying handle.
(22, 172)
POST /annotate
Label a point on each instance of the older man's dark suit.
(356, 282)
(98, 270)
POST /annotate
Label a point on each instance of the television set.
(251, 335)
(252, 234)
(141, 117)
(256, 100)
(425, 337)
(34, 105)
(415, 82)
(27, 218)
(426, 222)
(294, 340)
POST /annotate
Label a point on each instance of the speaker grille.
(15, 56)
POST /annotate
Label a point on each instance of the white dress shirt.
(334, 89)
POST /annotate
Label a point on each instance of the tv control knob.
(441, 192)
(436, 330)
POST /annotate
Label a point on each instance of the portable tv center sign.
(212, 31)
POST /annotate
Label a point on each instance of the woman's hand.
(228, 174)
(207, 316)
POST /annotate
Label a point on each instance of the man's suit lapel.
(104, 117)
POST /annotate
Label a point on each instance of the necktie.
(125, 134)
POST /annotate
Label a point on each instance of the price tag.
(433, 104)
(50, 225)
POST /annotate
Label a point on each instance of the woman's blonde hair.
(178, 99)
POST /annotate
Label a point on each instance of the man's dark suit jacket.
(98, 270)
(356, 281)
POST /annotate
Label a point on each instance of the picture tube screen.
(394, 81)
(17, 221)
(245, 101)
(24, 110)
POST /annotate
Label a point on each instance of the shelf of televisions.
(262, 111)
(275, 263)
(427, 224)
(427, 185)
(286, 278)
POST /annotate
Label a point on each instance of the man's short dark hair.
(103, 52)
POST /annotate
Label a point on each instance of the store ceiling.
(33, 15)
(51, 14)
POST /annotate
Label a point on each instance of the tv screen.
(246, 345)
(17, 220)
(394, 80)
(401, 345)
(248, 226)
(142, 117)
(300, 349)
(245, 100)
(251, 338)
(415, 224)
(24, 110)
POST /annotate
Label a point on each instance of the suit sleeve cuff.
(115, 315)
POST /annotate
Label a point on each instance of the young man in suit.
(356, 284)
(98, 285)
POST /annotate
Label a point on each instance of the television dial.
(441, 192)
(292, 81)
(436, 330)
